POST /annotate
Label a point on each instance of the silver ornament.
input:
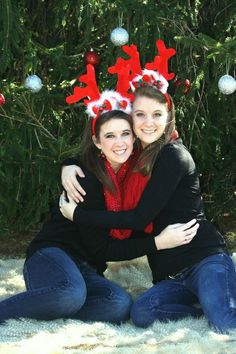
(227, 84)
(34, 83)
(119, 36)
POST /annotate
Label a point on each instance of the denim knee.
(139, 316)
(67, 300)
(223, 323)
(121, 305)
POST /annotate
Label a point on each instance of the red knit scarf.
(125, 198)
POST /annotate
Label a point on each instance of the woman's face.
(116, 141)
(150, 118)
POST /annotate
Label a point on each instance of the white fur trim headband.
(152, 78)
(109, 100)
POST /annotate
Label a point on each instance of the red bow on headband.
(106, 106)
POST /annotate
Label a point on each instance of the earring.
(101, 153)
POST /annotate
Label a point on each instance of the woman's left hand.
(67, 208)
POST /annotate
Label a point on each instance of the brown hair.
(90, 154)
(148, 155)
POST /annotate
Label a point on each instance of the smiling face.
(150, 118)
(116, 141)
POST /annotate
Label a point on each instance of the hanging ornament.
(186, 87)
(92, 57)
(177, 82)
(2, 99)
(119, 36)
(227, 84)
(34, 83)
(184, 84)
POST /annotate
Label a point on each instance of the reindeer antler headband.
(97, 103)
(130, 75)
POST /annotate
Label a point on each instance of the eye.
(157, 115)
(109, 136)
(140, 114)
(126, 133)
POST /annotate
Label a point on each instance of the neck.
(116, 167)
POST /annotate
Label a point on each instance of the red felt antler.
(91, 90)
(160, 62)
(126, 69)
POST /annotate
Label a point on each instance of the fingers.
(74, 185)
(184, 226)
(190, 233)
(189, 224)
(79, 172)
(187, 240)
(191, 229)
(74, 189)
(71, 184)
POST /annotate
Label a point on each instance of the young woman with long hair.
(64, 267)
(200, 272)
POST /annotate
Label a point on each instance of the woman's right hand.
(176, 235)
(71, 184)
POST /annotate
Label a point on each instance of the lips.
(148, 131)
(120, 152)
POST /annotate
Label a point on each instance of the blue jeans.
(210, 283)
(58, 288)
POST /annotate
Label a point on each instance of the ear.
(96, 143)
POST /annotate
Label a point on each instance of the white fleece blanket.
(73, 336)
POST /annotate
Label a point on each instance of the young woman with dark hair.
(64, 267)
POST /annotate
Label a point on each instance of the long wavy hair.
(149, 153)
(91, 155)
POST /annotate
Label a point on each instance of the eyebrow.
(141, 110)
(123, 131)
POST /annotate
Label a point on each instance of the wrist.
(158, 243)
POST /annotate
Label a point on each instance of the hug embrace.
(142, 197)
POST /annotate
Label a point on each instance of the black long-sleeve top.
(172, 195)
(87, 242)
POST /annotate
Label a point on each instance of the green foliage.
(49, 38)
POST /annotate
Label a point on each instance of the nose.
(119, 141)
(149, 120)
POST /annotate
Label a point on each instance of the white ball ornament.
(119, 36)
(227, 84)
(34, 83)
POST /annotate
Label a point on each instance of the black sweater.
(87, 242)
(171, 196)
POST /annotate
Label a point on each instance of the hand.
(67, 208)
(176, 235)
(70, 182)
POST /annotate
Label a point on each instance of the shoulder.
(94, 198)
(175, 154)
(90, 180)
(176, 149)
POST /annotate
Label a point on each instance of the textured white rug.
(73, 337)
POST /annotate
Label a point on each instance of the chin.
(148, 141)
(122, 160)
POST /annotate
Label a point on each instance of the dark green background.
(50, 38)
